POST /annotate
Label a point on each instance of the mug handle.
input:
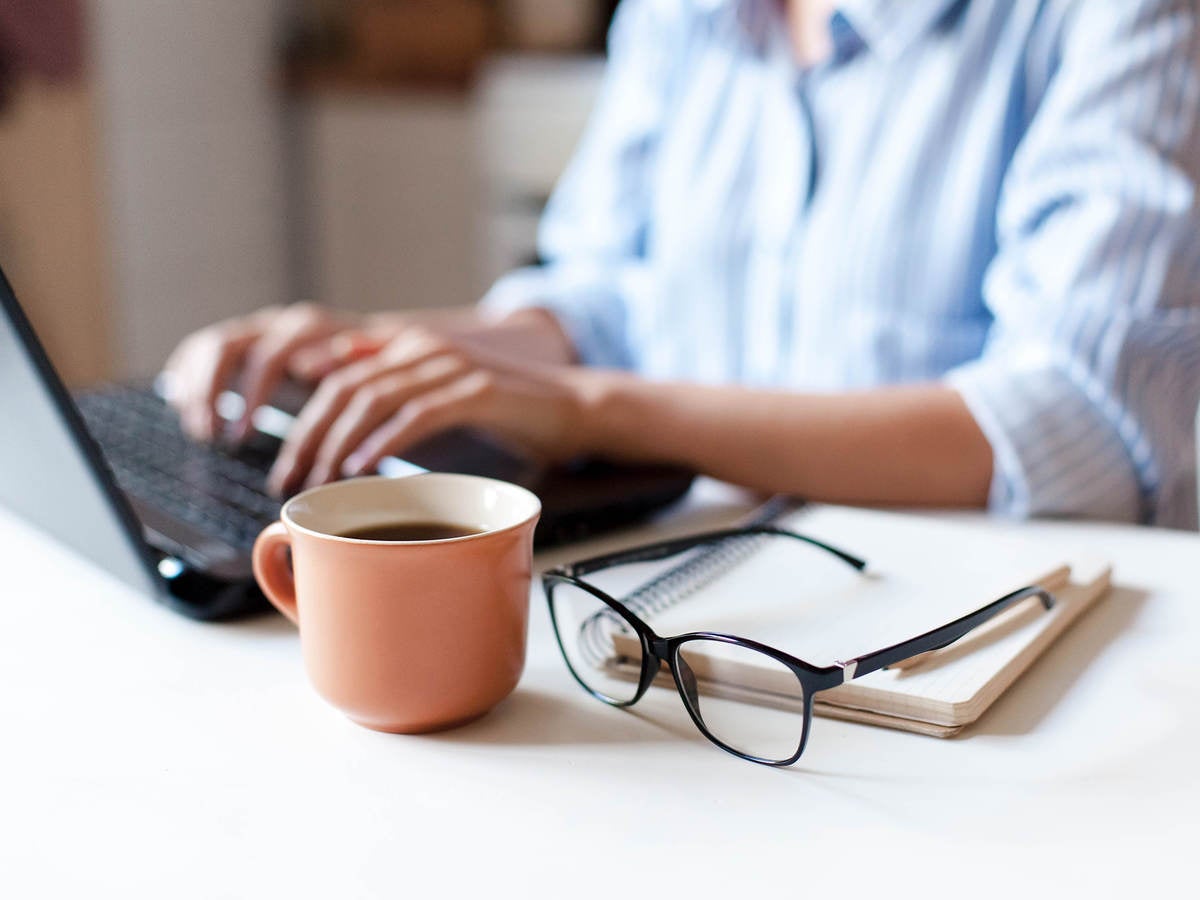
(272, 570)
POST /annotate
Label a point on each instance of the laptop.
(110, 473)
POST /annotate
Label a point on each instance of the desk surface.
(142, 754)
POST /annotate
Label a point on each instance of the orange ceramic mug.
(406, 636)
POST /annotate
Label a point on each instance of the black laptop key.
(219, 492)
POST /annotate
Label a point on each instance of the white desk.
(144, 755)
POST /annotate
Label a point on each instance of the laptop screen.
(48, 465)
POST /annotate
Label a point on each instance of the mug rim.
(285, 515)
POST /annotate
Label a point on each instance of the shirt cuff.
(590, 312)
(1055, 453)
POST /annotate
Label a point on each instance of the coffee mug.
(406, 636)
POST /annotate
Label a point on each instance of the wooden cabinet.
(51, 237)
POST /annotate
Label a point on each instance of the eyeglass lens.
(601, 648)
(713, 676)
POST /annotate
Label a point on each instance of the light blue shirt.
(997, 195)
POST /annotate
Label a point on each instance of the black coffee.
(410, 531)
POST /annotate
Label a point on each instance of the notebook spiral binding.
(707, 563)
(702, 566)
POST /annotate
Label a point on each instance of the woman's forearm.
(915, 445)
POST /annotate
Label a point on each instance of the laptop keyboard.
(220, 493)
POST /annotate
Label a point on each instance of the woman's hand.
(422, 382)
(308, 342)
(255, 352)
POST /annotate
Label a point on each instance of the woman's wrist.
(533, 334)
(610, 419)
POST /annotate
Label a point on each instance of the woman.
(905, 251)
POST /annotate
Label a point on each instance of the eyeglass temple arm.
(941, 637)
(664, 549)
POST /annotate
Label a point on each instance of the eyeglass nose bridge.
(660, 647)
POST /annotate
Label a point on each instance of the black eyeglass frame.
(813, 679)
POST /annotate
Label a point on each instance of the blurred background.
(166, 163)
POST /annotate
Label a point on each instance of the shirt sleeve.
(593, 234)
(1088, 387)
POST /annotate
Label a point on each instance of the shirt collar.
(751, 18)
(886, 27)
(889, 27)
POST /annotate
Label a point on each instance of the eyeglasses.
(616, 656)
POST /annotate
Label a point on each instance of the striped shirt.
(1000, 196)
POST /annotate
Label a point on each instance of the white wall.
(394, 202)
(419, 198)
(192, 165)
(531, 112)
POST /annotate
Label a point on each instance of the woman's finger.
(267, 360)
(298, 453)
(299, 449)
(322, 357)
(216, 377)
(205, 370)
(373, 404)
(460, 402)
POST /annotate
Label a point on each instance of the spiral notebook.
(922, 573)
